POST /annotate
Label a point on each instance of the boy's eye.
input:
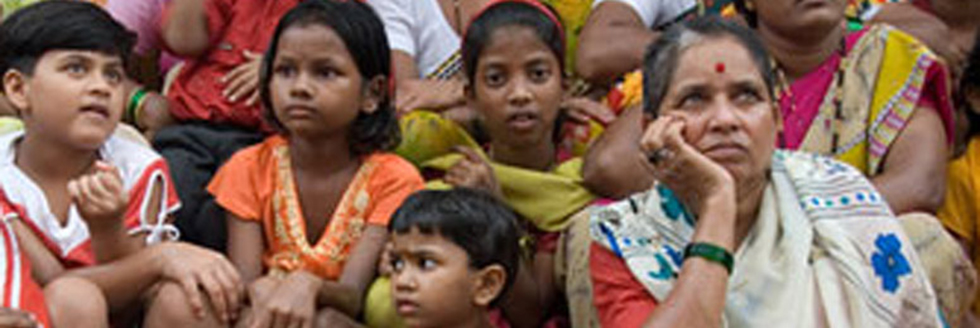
(427, 264)
(397, 264)
(114, 76)
(326, 72)
(75, 68)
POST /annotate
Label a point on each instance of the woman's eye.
(691, 100)
(747, 97)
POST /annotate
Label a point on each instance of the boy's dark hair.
(510, 13)
(475, 221)
(364, 35)
(662, 56)
(970, 86)
(29, 33)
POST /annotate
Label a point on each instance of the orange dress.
(257, 184)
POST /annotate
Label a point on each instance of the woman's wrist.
(716, 221)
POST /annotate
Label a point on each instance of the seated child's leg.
(169, 307)
(76, 302)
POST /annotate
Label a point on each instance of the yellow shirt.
(959, 212)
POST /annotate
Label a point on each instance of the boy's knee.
(77, 302)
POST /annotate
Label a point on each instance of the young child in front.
(91, 204)
(308, 208)
(513, 61)
(454, 254)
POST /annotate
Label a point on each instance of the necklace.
(838, 95)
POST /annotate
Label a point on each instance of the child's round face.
(517, 87)
(73, 96)
(432, 283)
(315, 87)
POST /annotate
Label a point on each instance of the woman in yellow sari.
(872, 98)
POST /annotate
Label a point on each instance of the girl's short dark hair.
(511, 13)
(662, 56)
(364, 35)
(29, 33)
(473, 220)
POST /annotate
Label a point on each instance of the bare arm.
(908, 178)
(45, 267)
(347, 294)
(419, 93)
(245, 247)
(186, 29)
(601, 61)
(612, 168)
(529, 300)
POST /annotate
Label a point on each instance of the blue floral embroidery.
(889, 262)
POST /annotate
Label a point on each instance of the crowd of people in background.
(489, 163)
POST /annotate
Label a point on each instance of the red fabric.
(234, 27)
(620, 300)
(18, 283)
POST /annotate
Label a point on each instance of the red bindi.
(720, 67)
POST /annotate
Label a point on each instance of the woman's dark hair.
(29, 33)
(750, 16)
(511, 13)
(475, 221)
(970, 86)
(364, 35)
(662, 56)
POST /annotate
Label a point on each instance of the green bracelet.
(135, 100)
(711, 253)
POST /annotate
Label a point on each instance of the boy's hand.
(473, 171)
(196, 269)
(11, 318)
(243, 81)
(292, 304)
(99, 196)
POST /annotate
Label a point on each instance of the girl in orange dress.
(308, 208)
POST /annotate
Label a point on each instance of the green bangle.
(711, 253)
(134, 102)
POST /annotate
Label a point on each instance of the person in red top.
(214, 98)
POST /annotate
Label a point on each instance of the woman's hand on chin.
(694, 178)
